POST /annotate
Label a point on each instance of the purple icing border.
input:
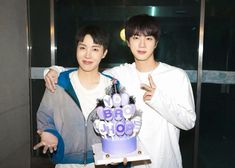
(119, 146)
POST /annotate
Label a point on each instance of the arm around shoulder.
(51, 76)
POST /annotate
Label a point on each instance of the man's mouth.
(141, 52)
(87, 62)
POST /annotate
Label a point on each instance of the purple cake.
(119, 146)
(117, 122)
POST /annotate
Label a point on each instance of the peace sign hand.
(150, 89)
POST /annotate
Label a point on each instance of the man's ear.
(156, 44)
(128, 44)
(105, 53)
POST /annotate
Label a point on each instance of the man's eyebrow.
(80, 43)
(93, 45)
(140, 34)
(96, 45)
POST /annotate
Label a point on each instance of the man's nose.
(142, 42)
(88, 54)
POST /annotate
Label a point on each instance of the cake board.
(102, 158)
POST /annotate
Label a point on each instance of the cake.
(117, 121)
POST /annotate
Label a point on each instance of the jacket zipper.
(85, 148)
(86, 121)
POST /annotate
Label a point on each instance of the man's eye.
(81, 48)
(95, 49)
(135, 37)
(149, 38)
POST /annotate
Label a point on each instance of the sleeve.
(109, 71)
(58, 69)
(58, 155)
(45, 112)
(179, 108)
(45, 122)
(114, 72)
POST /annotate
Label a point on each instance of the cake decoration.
(117, 121)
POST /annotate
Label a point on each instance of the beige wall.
(14, 86)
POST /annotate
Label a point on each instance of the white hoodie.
(170, 109)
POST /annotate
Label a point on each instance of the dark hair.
(99, 35)
(142, 24)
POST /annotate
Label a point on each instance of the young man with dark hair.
(64, 117)
(163, 93)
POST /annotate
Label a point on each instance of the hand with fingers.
(150, 89)
(114, 165)
(51, 79)
(124, 161)
(48, 142)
